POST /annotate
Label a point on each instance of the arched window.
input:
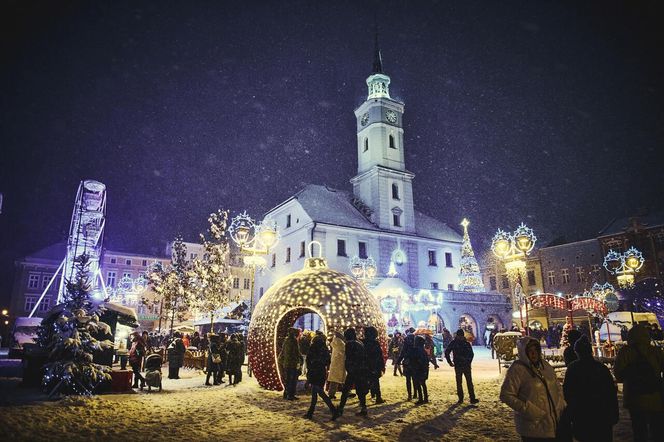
(366, 144)
(392, 142)
(395, 191)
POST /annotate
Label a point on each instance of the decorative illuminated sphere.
(339, 300)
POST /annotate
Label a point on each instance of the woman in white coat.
(337, 374)
(531, 389)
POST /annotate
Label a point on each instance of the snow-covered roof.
(126, 315)
(332, 206)
(620, 225)
(391, 285)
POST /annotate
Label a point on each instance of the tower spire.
(378, 60)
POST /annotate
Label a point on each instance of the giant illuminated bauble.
(339, 300)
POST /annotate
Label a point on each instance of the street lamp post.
(255, 241)
(364, 270)
(512, 249)
(624, 265)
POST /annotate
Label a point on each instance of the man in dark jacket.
(290, 361)
(463, 358)
(639, 366)
(591, 396)
(375, 362)
(394, 349)
(318, 360)
(356, 373)
(405, 360)
(568, 355)
(175, 356)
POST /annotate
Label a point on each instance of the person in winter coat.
(337, 375)
(447, 338)
(531, 389)
(318, 359)
(222, 344)
(234, 358)
(591, 396)
(568, 354)
(290, 360)
(375, 362)
(405, 360)
(196, 340)
(304, 343)
(213, 361)
(463, 358)
(394, 349)
(176, 351)
(185, 341)
(136, 354)
(639, 367)
(242, 352)
(356, 369)
(420, 360)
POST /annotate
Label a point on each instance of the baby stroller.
(153, 371)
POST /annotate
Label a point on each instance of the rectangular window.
(450, 286)
(552, 277)
(33, 281)
(504, 282)
(110, 279)
(363, 249)
(565, 273)
(236, 283)
(145, 263)
(531, 277)
(341, 247)
(492, 283)
(45, 280)
(579, 274)
(448, 259)
(45, 304)
(288, 221)
(433, 286)
(432, 258)
(128, 262)
(396, 219)
(114, 260)
(274, 260)
(247, 283)
(303, 248)
(287, 254)
(30, 302)
(126, 275)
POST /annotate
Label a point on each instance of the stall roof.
(218, 321)
(126, 315)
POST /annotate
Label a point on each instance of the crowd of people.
(583, 407)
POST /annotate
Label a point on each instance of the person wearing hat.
(591, 396)
(462, 353)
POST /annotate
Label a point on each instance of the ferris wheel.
(86, 233)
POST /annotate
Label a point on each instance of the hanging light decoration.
(624, 265)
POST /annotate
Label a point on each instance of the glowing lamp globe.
(339, 300)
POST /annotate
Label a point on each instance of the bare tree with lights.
(173, 284)
(212, 275)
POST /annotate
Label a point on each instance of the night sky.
(548, 112)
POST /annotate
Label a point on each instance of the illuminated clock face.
(391, 116)
(365, 119)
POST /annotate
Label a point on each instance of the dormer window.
(395, 191)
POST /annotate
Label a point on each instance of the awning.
(126, 315)
(206, 321)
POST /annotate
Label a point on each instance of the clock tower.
(382, 181)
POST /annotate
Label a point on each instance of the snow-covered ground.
(188, 410)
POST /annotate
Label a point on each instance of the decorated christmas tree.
(68, 337)
(470, 278)
(564, 337)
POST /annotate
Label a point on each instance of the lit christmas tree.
(70, 340)
(469, 275)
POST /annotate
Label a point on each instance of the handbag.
(216, 358)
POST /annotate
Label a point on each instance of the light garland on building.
(339, 300)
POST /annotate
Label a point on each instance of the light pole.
(624, 265)
(512, 249)
(255, 241)
(364, 270)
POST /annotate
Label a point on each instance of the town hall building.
(416, 257)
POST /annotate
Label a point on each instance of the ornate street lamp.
(255, 240)
(364, 270)
(512, 249)
(624, 265)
